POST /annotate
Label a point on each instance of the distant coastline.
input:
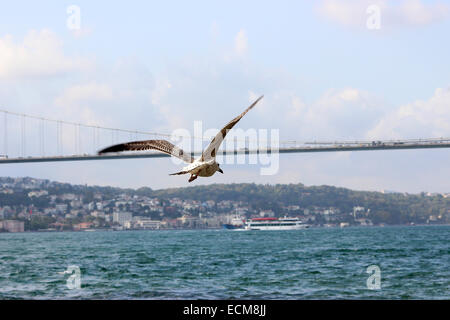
(48, 206)
(221, 229)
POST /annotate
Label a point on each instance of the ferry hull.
(232, 227)
(276, 227)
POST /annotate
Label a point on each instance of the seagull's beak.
(220, 170)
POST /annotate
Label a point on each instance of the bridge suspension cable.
(133, 132)
(94, 136)
(5, 134)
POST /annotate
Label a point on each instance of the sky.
(328, 69)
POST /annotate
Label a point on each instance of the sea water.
(315, 263)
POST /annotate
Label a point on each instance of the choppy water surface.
(218, 264)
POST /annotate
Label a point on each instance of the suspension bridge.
(29, 138)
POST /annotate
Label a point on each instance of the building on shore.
(82, 226)
(142, 223)
(146, 223)
(122, 217)
(12, 225)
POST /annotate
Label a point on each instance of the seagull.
(204, 166)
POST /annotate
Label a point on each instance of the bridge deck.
(303, 149)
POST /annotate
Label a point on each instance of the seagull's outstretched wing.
(211, 151)
(160, 145)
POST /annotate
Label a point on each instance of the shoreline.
(203, 229)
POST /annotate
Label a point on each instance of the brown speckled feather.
(211, 151)
(160, 145)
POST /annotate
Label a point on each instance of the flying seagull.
(204, 166)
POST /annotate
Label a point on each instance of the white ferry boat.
(285, 223)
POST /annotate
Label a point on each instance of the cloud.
(392, 13)
(160, 99)
(40, 54)
(195, 92)
(38, 78)
(214, 30)
(414, 12)
(237, 52)
(79, 101)
(81, 32)
(126, 94)
(91, 91)
(344, 12)
(213, 90)
(419, 119)
(343, 113)
(241, 43)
